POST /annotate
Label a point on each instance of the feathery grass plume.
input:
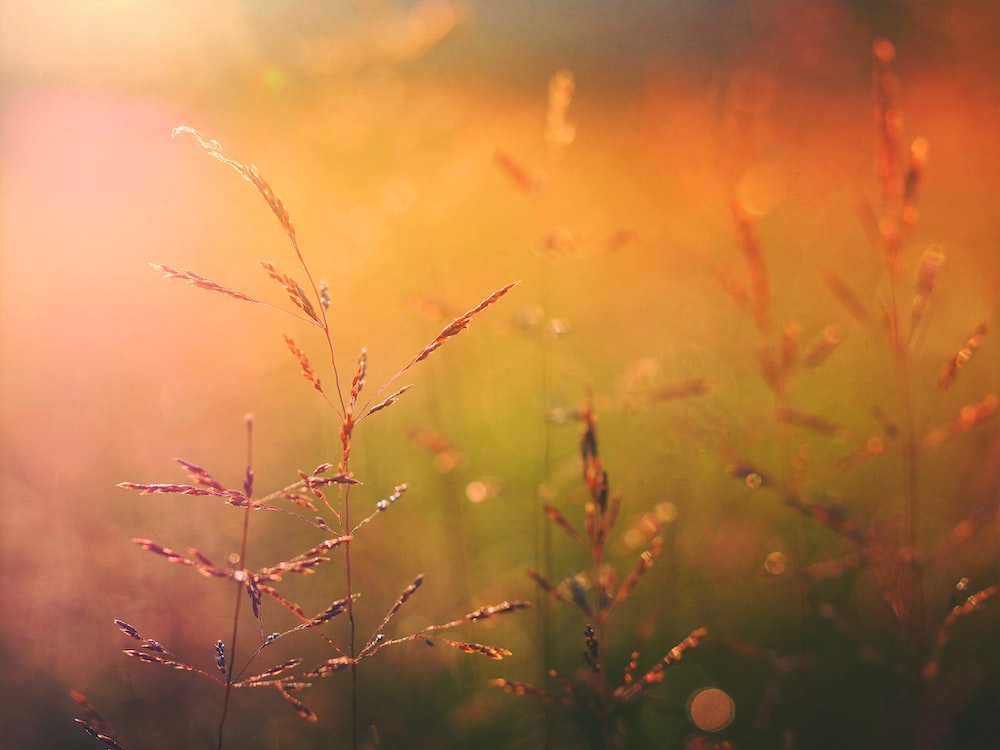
(527, 180)
(846, 297)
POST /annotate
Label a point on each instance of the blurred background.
(424, 164)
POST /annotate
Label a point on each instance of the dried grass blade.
(327, 545)
(760, 288)
(299, 499)
(181, 489)
(403, 598)
(330, 666)
(358, 382)
(950, 370)
(98, 735)
(557, 517)
(656, 674)
(337, 608)
(248, 172)
(810, 422)
(930, 264)
(523, 688)
(871, 448)
(734, 287)
(94, 724)
(483, 613)
(253, 591)
(272, 672)
(307, 369)
(823, 346)
(462, 322)
(203, 568)
(684, 389)
(544, 584)
(388, 401)
(171, 663)
(970, 416)
(147, 643)
(301, 565)
(291, 606)
(834, 517)
(644, 563)
(492, 652)
(292, 288)
(451, 330)
(834, 567)
(128, 630)
(846, 297)
(202, 283)
(300, 708)
(525, 179)
(200, 476)
(971, 604)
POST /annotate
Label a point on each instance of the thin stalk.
(544, 555)
(239, 589)
(911, 500)
(346, 515)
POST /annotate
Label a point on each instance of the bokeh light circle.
(711, 709)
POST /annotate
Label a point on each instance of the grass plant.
(882, 647)
(301, 501)
(836, 544)
(595, 593)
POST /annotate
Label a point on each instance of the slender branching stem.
(351, 652)
(914, 624)
(239, 589)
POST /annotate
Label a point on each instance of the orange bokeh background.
(378, 124)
